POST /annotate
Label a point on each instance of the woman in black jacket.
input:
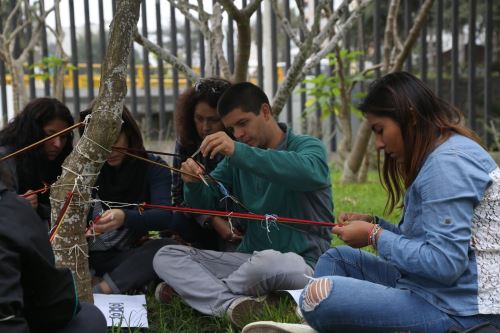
(35, 296)
(32, 169)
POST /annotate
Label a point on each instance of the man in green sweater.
(272, 171)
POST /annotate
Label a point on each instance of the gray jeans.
(209, 280)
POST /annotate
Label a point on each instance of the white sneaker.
(275, 327)
(243, 309)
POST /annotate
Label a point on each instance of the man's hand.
(222, 227)
(110, 220)
(217, 143)
(32, 199)
(190, 166)
(354, 233)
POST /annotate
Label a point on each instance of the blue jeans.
(363, 298)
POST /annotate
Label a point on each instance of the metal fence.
(458, 55)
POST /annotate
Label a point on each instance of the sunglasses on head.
(213, 86)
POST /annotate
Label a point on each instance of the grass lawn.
(178, 317)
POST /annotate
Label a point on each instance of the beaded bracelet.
(373, 235)
(370, 234)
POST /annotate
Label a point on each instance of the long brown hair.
(425, 121)
(206, 90)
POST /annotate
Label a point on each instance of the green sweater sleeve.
(302, 167)
(207, 197)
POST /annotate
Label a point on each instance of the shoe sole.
(273, 327)
(244, 312)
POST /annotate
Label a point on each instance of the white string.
(75, 248)
(86, 121)
(114, 204)
(79, 174)
(270, 220)
(230, 223)
(79, 203)
(77, 148)
(97, 144)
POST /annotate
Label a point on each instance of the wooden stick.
(33, 145)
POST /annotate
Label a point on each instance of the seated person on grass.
(196, 117)
(270, 170)
(439, 267)
(36, 296)
(117, 251)
(34, 168)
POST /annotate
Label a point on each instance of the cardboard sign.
(123, 310)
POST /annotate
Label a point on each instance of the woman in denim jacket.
(440, 266)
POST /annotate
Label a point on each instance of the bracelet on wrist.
(373, 235)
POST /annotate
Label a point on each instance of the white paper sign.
(123, 310)
(295, 293)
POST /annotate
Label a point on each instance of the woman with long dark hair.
(33, 169)
(439, 267)
(196, 117)
(116, 252)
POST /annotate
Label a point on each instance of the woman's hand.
(222, 227)
(32, 199)
(110, 220)
(354, 233)
(348, 216)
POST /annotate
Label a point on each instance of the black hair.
(207, 90)
(33, 168)
(245, 96)
(424, 120)
(125, 184)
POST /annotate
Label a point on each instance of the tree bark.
(14, 63)
(58, 77)
(81, 168)
(344, 115)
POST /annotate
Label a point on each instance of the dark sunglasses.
(213, 86)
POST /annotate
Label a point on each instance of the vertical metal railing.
(456, 55)
(438, 86)
(161, 77)
(74, 62)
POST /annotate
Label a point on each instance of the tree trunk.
(344, 115)
(367, 161)
(81, 168)
(352, 164)
(18, 91)
(58, 77)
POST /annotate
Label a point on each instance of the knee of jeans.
(316, 292)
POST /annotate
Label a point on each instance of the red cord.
(236, 215)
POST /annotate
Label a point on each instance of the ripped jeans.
(353, 291)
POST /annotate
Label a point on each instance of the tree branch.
(388, 34)
(313, 61)
(166, 56)
(10, 18)
(231, 9)
(329, 28)
(218, 39)
(184, 7)
(302, 17)
(285, 24)
(413, 35)
(251, 8)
